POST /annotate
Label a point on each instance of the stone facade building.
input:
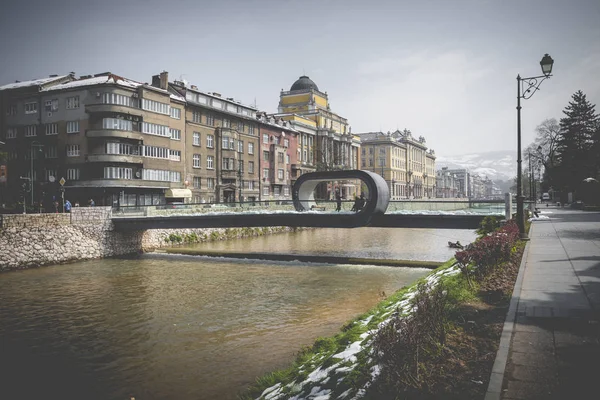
(404, 162)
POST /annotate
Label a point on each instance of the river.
(182, 327)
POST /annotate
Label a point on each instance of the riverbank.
(306, 258)
(34, 240)
(435, 339)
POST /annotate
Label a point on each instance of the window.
(265, 155)
(276, 190)
(155, 129)
(210, 120)
(226, 123)
(280, 174)
(280, 158)
(72, 102)
(286, 142)
(118, 173)
(72, 174)
(286, 190)
(251, 185)
(11, 110)
(266, 173)
(156, 106)
(120, 148)
(228, 164)
(30, 130)
(241, 126)
(287, 158)
(51, 152)
(51, 105)
(197, 182)
(250, 148)
(161, 175)
(362, 151)
(251, 129)
(119, 99)
(175, 134)
(11, 133)
(371, 150)
(364, 164)
(72, 150)
(209, 141)
(155, 152)
(72, 126)
(210, 183)
(210, 162)
(287, 175)
(382, 162)
(196, 138)
(265, 138)
(382, 151)
(196, 160)
(30, 108)
(51, 129)
(117, 123)
(265, 190)
(250, 167)
(196, 117)
(50, 173)
(175, 113)
(240, 146)
(305, 156)
(225, 141)
(175, 155)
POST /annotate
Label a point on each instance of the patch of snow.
(97, 80)
(34, 82)
(271, 391)
(540, 218)
(344, 394)
(349, 353)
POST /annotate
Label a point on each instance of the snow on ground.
(311, 387)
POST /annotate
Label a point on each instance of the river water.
(182, 327)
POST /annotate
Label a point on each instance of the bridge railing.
(412, 206)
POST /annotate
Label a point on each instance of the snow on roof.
(177, 97)
(35, 82)
(97, 80)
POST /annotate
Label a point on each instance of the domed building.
(325, 141)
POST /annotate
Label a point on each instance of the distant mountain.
(496, 165)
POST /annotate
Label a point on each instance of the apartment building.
(112, 139)
(222, 155)
(406, 164)
(279, 153)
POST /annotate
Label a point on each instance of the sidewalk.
(554, 351)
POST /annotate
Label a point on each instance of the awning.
(178, 193)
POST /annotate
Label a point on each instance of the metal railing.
(486, 207)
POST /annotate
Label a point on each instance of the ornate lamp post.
(533, 84)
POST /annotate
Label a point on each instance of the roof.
(304, 83)
(96, 80)
(35, 82)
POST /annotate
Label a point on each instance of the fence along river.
(181, 327)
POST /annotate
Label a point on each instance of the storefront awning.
(178, 193)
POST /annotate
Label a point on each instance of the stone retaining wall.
(87, 232)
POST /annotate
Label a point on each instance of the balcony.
(114, 158)
(118, 183)
(115, 133)
(113, 108)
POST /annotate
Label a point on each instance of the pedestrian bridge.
(304, 210)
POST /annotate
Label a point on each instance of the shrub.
(488, 225)
(483, 255)
(175, 238)
(405, 343)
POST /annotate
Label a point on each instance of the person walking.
(67, 206)
(338, 200)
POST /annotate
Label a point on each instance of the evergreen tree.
(576, 159)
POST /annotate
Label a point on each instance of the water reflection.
(172, 327)
(393, 243)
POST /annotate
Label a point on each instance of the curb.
(494, 390)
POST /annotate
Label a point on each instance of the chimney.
(156, 80)
(52, 76)
(164, 80)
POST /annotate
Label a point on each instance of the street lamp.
(533, 84)
(32, 153)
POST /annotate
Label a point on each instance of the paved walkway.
(554, 351)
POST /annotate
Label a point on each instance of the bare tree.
(547, 134)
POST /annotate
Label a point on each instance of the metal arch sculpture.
(303, 192)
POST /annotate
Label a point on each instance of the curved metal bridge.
(306, 211)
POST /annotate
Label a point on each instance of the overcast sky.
(443, 69)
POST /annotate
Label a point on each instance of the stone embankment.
(87, 232)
